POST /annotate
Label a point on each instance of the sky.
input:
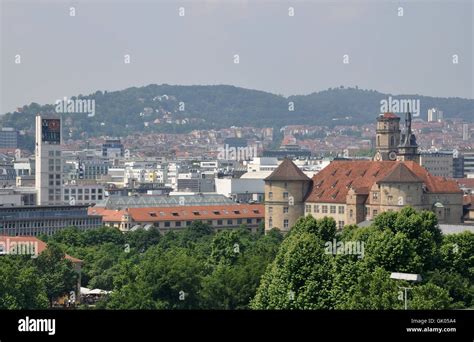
(62, 55)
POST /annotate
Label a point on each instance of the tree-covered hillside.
(177, 109)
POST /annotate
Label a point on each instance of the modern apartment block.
(36, 220)
(438, 163)
(8, 137)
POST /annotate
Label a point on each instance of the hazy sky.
(63, 55)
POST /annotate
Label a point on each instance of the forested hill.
(172, 108)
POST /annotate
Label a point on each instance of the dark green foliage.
(407, 241)
(195, 268)
(221, 106)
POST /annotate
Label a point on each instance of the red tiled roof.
(401, 174)
(389, 115)
(334, 181)
(108, 215)
(39, 245)
(186, 213)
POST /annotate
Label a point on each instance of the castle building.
(356, 191)
(353, 191)
(285, 191)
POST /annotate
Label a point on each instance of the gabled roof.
(287, 171)
(332, 184)
(400, 174)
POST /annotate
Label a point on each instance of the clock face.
(392, 155)
(51, 131)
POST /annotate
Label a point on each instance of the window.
(333, 209)
(177, 224)
(219, 222)
(270, 195)
(285, 223)
(249, 221)
(285, 195)
(285, 210)
(325, 209)
(341, 224)
(308, 208)
(270, 210)
(351, 213)
(229, 222)
(375, 212)
(375, 195)
(167, 224)
(341, 209)
(316, 208)
(270, 223)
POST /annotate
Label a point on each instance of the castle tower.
(387, 137)
(285, 191)
(408, 148)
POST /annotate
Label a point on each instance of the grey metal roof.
(120, 202)
(455, 228)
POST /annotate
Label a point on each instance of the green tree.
(299, 278)
(21, 287)
(56, 272)
(429, 297)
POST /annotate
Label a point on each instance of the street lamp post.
(408, 277)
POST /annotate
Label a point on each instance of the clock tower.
(387, 137)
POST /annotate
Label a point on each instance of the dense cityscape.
(186, 167)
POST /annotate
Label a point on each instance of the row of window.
(324, 209)
(84, 198)
(229, 222)
(285, 210)
(285, 195)
(286, 224)
(80, 191)
(52, 223)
